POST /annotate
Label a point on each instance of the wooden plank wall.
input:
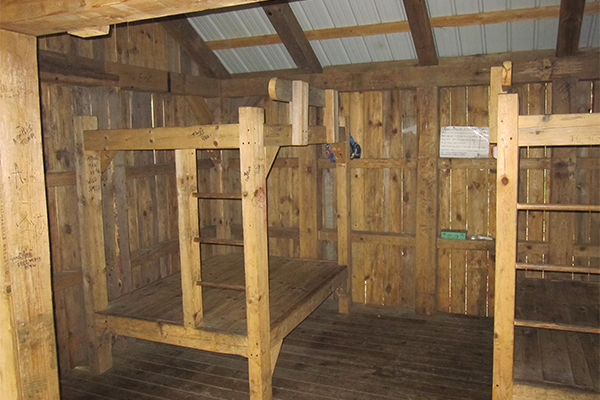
(140, 205)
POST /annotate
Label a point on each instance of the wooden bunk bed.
(234, 303)
(516, 131)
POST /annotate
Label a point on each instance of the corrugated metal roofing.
(323, 14)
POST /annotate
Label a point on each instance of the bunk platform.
(545, 354)
(297, 287)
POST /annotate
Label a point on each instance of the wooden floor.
(372, 354)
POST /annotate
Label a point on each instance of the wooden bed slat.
(558, 207)
(559, 268)
(557, 326)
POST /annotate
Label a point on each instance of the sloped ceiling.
(344, 32)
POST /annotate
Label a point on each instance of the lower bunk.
(296, 288)
(557, 363)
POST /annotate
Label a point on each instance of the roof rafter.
(182, 31)
(569, 27)
(291, 34)
(490, 17)
(420, 28)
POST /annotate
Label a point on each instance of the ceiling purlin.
(187, 37)
(569, 27)
(420, 29)
(292, 36)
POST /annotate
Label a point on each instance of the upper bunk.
(216, 304)
(227, 136)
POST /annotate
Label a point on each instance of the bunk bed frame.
(513, 132)
(233, 303)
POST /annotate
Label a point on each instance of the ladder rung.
(557, 326)
(228, 242)
(220, 196)
(227, 286)
(558, 207)
(558, 268)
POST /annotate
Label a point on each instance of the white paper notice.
(464, 142)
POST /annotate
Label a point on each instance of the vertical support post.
(308, 200)
(254, 171)
(342, 174)
(299, 113)
(331, 118)
(500, 82)
(93, 261)
(427, 199)
(506, 242)
(28, 367)
(189, 228)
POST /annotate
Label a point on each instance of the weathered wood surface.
(48, 17)
(27, 343)
(329, 356)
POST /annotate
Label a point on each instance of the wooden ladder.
(516, 131)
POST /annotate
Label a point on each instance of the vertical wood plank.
(477, 261)
(562, 181)
(427, 198)
(27, 343)
(308, 216)
(191, 269)
(256, 258)
(506, 239)
(89, 190)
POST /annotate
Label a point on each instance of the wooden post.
(299, 113)
(253, 176)
(93, 261)
(500, 81)
(189, 228)
(308, 201)
(331, 118)
(28, 367)
(506, 243)
(342, 173)
(427, 199)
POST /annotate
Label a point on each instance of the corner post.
(253, 170)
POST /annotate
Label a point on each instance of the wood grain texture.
(427, 195)
(292, 36)
(569, 27)
(506, 237)
(420, 28)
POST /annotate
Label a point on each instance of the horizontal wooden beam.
(281, 90)
(559, 130)
(528, 67)
(173, 334)
(75, 70)
(44, 17)
(491, 17)
(142, 256)
(189, 137)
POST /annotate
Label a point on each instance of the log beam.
(569, 27)
(420, 29)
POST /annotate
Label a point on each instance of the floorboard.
(372, 354)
